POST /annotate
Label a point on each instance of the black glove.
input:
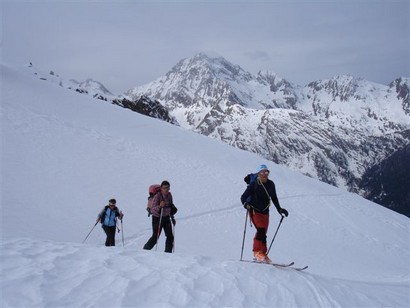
(247, 206)
(283, 212)
(174, 209)
(173, 220)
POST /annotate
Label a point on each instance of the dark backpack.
(250, 179)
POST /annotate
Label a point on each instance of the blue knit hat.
(261, 167)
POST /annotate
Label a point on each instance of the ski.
(300, 268)
(274, 264)
(290, 265)
(282, 265)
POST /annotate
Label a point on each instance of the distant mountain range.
(335, 130)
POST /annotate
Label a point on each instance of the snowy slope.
(64, 155)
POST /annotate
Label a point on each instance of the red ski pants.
(261, 223)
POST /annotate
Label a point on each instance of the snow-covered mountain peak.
(267, 75)
(343, 87)
(204, 71)
(94, 86)
(217, 66)
(196, 86)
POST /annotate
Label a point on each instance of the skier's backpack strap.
(103, 213)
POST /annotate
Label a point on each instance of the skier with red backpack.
(256, 200)
(161, 207)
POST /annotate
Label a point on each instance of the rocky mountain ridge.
(388, 182)
(97, 90)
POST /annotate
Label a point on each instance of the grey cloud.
(125, 44)
(257, 55)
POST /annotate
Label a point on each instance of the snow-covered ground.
(63, 155)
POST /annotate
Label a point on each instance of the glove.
(174, 209)
(283, 212)
(247, 206)
(173, 220)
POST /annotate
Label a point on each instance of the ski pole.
(122, 233)
(159, 229)
(275, 234)
(244, 232)
(173, 232)
(90, 232)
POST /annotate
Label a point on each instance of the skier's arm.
(119, 213)
(275, 201)
(100, 214)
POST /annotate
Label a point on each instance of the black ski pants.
(167, 226)
(110, 232)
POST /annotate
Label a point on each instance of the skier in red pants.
(256, 199)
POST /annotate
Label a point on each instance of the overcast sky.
(129, 43)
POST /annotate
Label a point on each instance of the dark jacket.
(259, 199)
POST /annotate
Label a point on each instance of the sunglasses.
(165, 187)
(111, 204)
(264, 172)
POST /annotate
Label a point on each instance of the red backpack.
(152, 191)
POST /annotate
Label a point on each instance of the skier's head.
(165, 183)
(112, 202)
(262, 168)
(165, 186)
